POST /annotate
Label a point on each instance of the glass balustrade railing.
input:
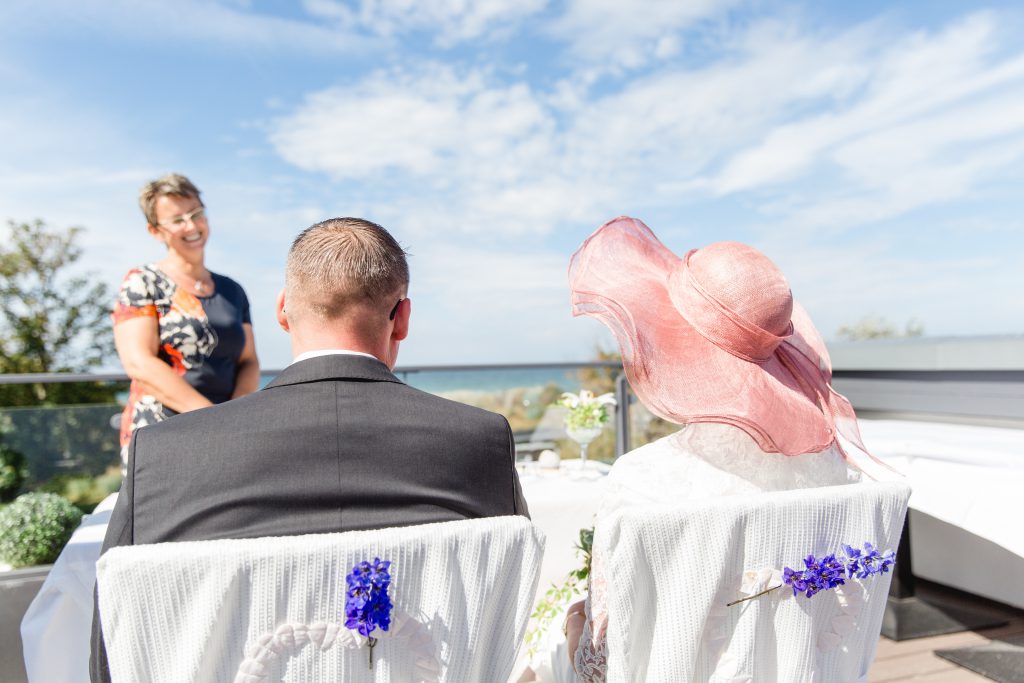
(72, 448)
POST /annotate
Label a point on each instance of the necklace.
(198, 285)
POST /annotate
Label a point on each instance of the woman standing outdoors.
(183, 333)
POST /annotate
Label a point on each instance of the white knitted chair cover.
(272, 609)
(672, 570)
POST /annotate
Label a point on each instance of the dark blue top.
(226, 310)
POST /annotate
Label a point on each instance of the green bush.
(35, 528)
(82, 490)
(12, 473)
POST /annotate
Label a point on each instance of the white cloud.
(464, 148)
(876, 124)
(408, 122)
(678, 122)
(450, 148)
(933, 116)
(215, 24)
(452, 21)
(614, 34)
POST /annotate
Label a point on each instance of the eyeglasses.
(394, 311)
(179, 222)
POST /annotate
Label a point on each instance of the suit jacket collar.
(334, 367)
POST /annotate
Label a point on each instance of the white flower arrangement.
(586, 411)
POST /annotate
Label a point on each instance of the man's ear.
(282, 314)
(401, 329)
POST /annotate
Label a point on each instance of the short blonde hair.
(345, 263)
(170, 184)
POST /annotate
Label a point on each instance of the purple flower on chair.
(794, 578)
(852, 560)
(811, 575)
(831, 571)
(888, 560)
(870, 561)
(367, 604)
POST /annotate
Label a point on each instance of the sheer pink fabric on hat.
(714, 336)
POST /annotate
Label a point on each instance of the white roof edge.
(1002, 352)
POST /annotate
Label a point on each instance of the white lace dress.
(700, 461)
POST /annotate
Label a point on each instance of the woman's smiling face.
(181, 224)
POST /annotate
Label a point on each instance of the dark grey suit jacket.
(334, 443)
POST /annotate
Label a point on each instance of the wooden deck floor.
(915, 660)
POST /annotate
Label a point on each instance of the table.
(967, 481)
(561, 503)
(56, 628)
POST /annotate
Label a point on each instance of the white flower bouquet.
(586, 411)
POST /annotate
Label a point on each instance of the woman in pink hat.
(715, 342)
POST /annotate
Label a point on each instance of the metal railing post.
(622, 440)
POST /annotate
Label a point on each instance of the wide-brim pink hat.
(714, 336)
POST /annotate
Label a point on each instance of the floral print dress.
(201, 338)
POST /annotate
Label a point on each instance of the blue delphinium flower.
(852, 560)
(367, 604)
(831, 571)
(794, 578)
(812, 575)
(888, 560)
(869, 561)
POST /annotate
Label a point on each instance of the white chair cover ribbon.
(412, 633)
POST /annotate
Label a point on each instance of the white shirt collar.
(330, 352)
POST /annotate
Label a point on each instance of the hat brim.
(620, 276)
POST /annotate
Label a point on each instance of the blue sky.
(874, 151)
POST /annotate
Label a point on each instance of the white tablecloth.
(561, 503)
(969, 476)
(56, 629)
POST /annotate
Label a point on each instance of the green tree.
(12, 472)
(601, 380)
(875, 327)
(644, 427)
(54, 318)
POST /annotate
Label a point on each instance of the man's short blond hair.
(343, 264)
(171, 184)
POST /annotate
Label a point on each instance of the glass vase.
(583, 436)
